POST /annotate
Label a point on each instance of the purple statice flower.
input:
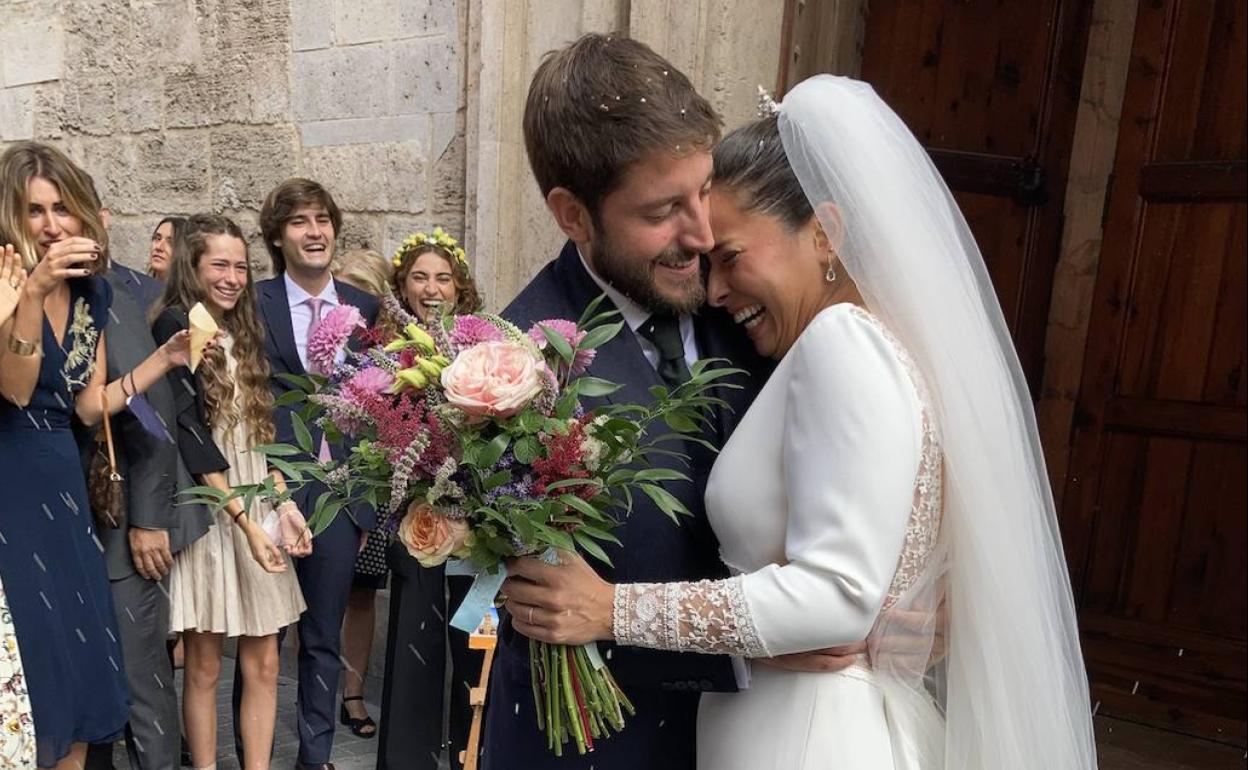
(520, 489)
(331, 334)
(470, 330)
(569, 332)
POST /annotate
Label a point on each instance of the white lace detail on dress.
(712, 616)
(709, 616)
(923, 527)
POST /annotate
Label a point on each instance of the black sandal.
(358, 727)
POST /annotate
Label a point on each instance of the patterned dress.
(51, 562)
(17, 728)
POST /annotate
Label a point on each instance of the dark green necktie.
(664, 332)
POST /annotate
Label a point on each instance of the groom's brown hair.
(602, 103)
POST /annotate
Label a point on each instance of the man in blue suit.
(619, 142)
(300, 223)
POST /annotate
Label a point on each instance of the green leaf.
(680, 423)
(665, 500)
(495, 481)
(491, 452)
(600, 336)
(527, 450)
(557, 341)
(593, 387)
(593, 549)
(276, 450)
(588, 312)
(599, 534)
(306, 384)
(572, 501)
(530, 421)
(303, 437)
(659, 474)
(290, 398)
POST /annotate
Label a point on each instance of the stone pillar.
(1091, 161)
(727, 47)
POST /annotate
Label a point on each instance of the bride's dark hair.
(750, 161)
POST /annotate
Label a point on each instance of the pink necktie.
(315, 304)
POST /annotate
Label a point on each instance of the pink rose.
(430, 537)
(493, 379)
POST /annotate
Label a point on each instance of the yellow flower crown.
(439, 239)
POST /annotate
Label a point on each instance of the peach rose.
(493, 379)
(430, 537)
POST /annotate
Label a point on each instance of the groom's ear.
(570, 214)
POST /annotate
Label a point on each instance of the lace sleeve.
(709, 616)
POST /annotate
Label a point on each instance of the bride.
(886, 485)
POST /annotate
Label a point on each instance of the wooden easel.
(476, 699)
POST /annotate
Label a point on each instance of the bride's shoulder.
(851, 341)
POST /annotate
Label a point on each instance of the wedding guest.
(364, 269)
(234, 582)
(52, 370)
(17, 729)
(429, 279)
(164, 240)
(139, 552)
(300, 222)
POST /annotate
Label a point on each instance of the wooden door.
(1154, 519)
(991, 89)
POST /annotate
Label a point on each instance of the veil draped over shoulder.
(1011, 685)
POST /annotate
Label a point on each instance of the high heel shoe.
(362, 728)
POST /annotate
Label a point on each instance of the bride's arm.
(853, 436)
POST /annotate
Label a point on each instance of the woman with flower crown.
(431, 278)
(235, 581)
(887, 484)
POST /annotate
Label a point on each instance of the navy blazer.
(279, 343)
(655, 549)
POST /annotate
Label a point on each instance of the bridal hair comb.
(767, 106)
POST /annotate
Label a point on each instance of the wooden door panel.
(1156, 515)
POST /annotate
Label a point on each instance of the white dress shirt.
(301, 312)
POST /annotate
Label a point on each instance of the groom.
(620, 144)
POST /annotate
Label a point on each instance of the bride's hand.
(815, 661)
(567, 603)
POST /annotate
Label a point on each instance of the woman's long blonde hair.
(364, 269)
(27, 160)
(182, 291)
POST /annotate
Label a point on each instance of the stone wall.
(178, 106)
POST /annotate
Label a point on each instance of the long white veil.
(1012, 683)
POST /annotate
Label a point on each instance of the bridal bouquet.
(470, 437)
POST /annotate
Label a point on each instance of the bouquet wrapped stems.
(574, 699)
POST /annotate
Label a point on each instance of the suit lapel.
(275, 307)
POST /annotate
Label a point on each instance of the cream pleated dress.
(215, 585)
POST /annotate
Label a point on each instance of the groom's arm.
(826, 660)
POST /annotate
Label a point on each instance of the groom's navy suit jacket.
(654, 549)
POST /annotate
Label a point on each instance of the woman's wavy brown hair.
(467, 298)
(182, 290)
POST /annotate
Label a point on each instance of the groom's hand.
(565, 603)
(830, 659)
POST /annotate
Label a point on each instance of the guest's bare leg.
(76, 758)
(199, 694)
(257, 655)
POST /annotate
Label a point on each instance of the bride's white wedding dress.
(827, 505)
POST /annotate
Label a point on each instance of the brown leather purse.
(105, 487)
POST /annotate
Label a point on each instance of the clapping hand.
(12, 278)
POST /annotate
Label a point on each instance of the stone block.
(341, 83)
(448, 179)
(311, 24)
(399, 128)
(172, 172)
(384, 177)
(112, 163)
(17, 113)
(32, 50)
(425, 75)
(247, 162)
(235, 89)
(89, 105)
(49, 111)
(140, 103)
(369, 21)
(361, 231)
(398, 227)
(129, 240)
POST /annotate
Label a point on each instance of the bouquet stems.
(574, 701)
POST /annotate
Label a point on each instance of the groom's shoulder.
(547, 295)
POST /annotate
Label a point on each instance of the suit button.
(705, 684)
(680, 686)
(666, 686)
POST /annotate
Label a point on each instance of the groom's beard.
(634, 278)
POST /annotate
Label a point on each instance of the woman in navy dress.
(51, 372)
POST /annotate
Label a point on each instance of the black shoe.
(326, 766)
(361, 728)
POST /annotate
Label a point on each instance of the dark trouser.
(152, 736)
(412, 701)
(661, 736)
(325, 579)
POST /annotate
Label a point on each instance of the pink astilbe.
(330, 335)
(470, 330)
(567, 330)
